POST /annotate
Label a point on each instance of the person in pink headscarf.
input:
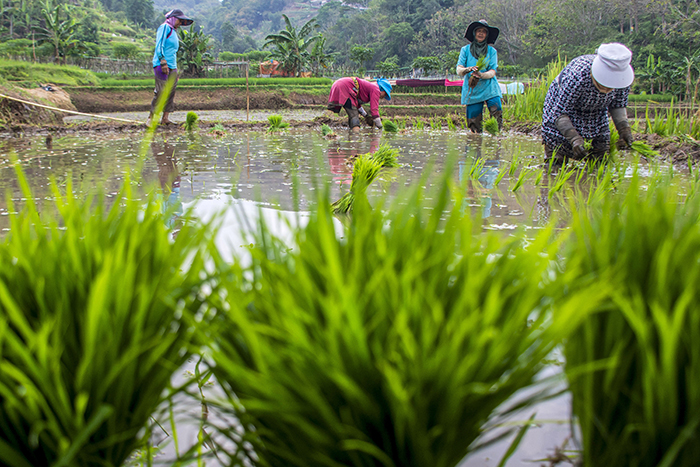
(351, 93)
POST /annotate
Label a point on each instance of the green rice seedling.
(491, 126)
(644, 149)
(435, 124)
(401, 123)
(538, 177)
(363, 174)
(501, 173)
(390, 126)
(418, 125)
(633, 364)
(450, 123)
(218, 130)
(477, 168)
(327, 131)
(521, 179)
(400, 336)
(561, 179)
(515, 164)
(614, 138)
(276, 123)
(191, 121)
(91, 328)
(481, 63)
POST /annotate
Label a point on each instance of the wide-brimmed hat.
(611, 66)
(184, 20)
(493, 32)
(385, 86)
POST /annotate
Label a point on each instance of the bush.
(126, 51)
(16, 48)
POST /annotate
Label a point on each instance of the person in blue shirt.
(165, 62)
(480, 84)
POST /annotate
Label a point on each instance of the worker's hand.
(369, 120)
(378, 123)
(579, 149)
(625, 140)
(164, 67)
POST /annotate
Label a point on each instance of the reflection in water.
(488, 171)
(339, 158)
(169, 178)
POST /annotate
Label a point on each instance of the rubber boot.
(475, 124)
(497, 113)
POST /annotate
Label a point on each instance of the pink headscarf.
(171, 22)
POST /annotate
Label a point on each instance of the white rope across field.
(67, 111)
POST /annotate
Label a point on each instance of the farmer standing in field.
(351, 93)
(165, 62)
(578, 102)
(478, 63)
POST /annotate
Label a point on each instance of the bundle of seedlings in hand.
(276, 123)
(491, 126)
(480, 65)
(644, 149)
(191, 121)
(365, 170)
(390, 126)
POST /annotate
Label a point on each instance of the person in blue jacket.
(165, 61)
(480, 84)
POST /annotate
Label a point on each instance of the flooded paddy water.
(283, 173)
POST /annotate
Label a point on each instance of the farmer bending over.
(578, 102)
(351, 93)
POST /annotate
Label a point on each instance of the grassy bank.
(29, 75)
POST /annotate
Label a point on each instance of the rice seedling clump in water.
(644, 149)
(390, 126)
(276, 123)
(400, 337)
(491, 126)
(191, 121)
(327, 131)
(365, 170)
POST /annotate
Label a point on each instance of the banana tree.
(57, 32)
(292, 45)
(194, 52)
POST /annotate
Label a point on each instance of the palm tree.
(292, 45)
(319, 58)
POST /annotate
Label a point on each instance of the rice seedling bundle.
(90, 327)
(191, 121)
(644, 149)
(276, 123)
(326, 130)
(491, 126)
(365, 169)
(390, 126)
(634, 363)
(399, 337)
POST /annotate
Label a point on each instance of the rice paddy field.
(198, 298)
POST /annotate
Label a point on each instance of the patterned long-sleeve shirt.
(573, 93)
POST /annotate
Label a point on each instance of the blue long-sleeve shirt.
(485, 89)
(167, 44)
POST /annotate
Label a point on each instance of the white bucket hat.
(611, 66)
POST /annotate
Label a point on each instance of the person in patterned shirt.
(578, 102)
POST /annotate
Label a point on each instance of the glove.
(369, 120)
(625, 140)
(378, 123)
(567, 129)
(164, 67)
(619, 118)
(462, 70)
(474, 79)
